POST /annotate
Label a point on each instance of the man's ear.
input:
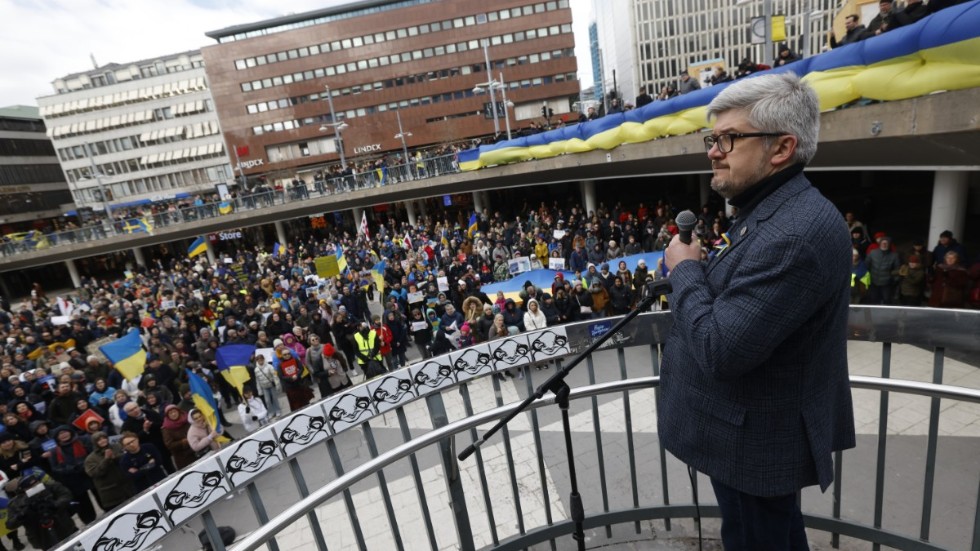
(783, 148)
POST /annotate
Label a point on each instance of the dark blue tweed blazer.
(754, 387)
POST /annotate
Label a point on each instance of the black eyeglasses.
(726, 142)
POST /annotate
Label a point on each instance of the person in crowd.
(854, 32)
(295, 379)
(785, 56)
(252, 411)
(68, 467)
(882, 262)
(142, 463)
(42, 506)
(950, 283)
(687, 84)
(200, 436)
(911, 281)
(175, 425)
(713, 399)
(268, 383)
(111, 482)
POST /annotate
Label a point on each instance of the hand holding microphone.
(682, 246)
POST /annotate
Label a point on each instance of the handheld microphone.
(686, 221)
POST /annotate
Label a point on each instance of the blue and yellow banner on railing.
(938, 53)
(137, 225)
(33, 239)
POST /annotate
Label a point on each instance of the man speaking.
(755, 390)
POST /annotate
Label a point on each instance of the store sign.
(225, 236)
(361, 150)
(251, 163)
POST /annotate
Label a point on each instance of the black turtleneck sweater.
(750, 198)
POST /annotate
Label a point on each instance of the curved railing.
(248, 201)
(389, 471)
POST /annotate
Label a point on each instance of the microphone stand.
(557, 385)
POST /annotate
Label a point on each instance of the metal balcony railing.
(375, 467)
(247, 201)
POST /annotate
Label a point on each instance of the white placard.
(443, 282)
(415, 297)
(269, 354)
(556, 263)
(559, 234)
(60, 320)
(419, 325)
(519, 265)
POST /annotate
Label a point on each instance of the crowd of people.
(73, 420)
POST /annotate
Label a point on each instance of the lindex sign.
(230, 235)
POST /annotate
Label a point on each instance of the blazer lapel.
(765, 209)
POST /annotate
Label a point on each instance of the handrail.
(126, 225)
(931, 328)
(303, 507)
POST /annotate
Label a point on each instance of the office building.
(615, 30)
(137, 132)
(32, 186)
(669, 36)
(420, 59)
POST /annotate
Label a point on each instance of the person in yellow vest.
(368, 351)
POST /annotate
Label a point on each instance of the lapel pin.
(743, 231)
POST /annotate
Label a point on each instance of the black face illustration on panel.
(129, 531)
(393, 390)
(433, 375)
(473, 362)
(349, 410)
(511, 351)
(302, 430)
(192, 491)
(548, 344)
(250, 456)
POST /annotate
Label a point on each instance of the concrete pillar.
(140, 259)
(704, 188)
(410, 211)
(949, 196)
(76, 279)
(477, 201)
(212, 258)
(588, 196)
(423, 208)
(486, 201)
(281, 233)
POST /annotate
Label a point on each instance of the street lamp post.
(401, 135)
(507, 105)
(493, 101)
(98, 180)
(338, 128)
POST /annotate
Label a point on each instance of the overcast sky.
(47, 39)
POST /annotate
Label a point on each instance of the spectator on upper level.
(950, 283)
(854, 33)
(643, 97)
(785, 56)
(881, 22)
(687, 84)
(882, 263)
(913, 11)
(720, 75)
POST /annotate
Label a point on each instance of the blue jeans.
(752, 523)
(271, 401)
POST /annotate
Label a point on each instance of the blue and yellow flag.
(137, 225)
(126, 354)
(276, 249)
(341, 261)
(225, 207)
(233, 364)
(474, 225)
(204, 401)
(199, 246)
(378, 274)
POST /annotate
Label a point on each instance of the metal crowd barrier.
(392, 175)
(375, 467)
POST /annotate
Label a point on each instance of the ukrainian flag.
(341, 261)
(225, 207)
(232, 364)
(199, 246)
(378, 274)
(204, 401)
(126, 354)
(276, 249)
(474, 225)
